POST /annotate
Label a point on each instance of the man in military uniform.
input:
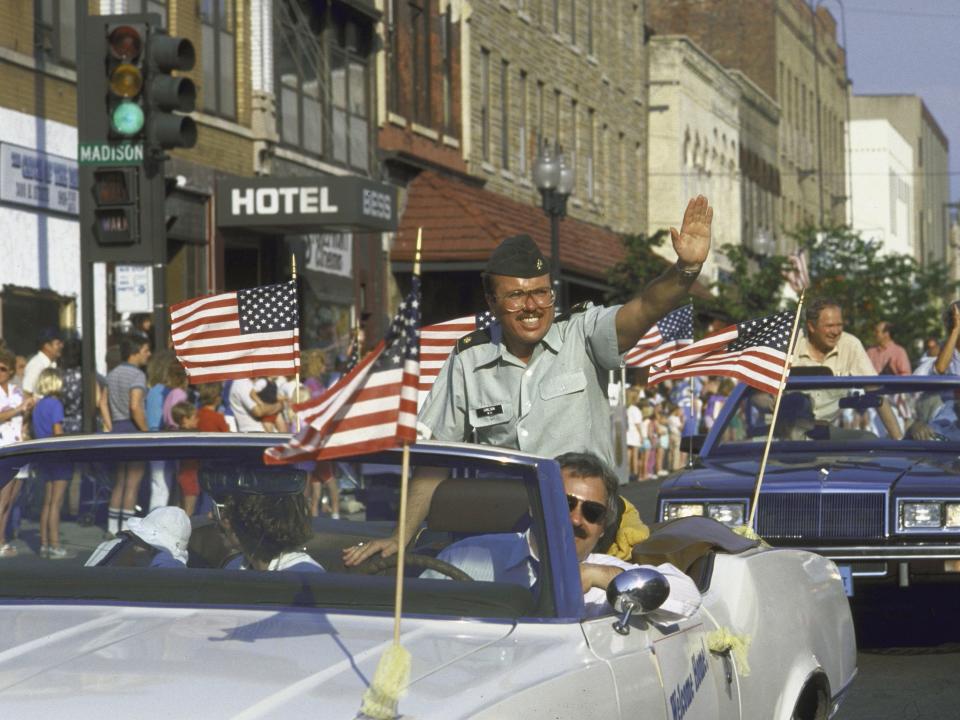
(535, 381)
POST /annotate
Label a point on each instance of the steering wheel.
(379, 565)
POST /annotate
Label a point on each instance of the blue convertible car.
(863, 470)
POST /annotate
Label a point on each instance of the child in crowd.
(266, 392)
(662, 441)
(646, 413)
(178, 384)
(209, 418)
(675, 429)
(186, 417)
(47, 422)
(634, 418)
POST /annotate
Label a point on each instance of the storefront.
(332, 226)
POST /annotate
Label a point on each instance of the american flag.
(373, 407)
(242, 334)
(437, 342)
(673, 330)
(796, 273)
(353, 352)
(754, 351)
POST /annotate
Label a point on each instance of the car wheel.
(813, 703)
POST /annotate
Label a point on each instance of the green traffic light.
(127, 118)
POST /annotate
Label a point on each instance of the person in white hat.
(158, 540)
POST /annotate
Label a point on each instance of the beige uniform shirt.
(556, 403)
(847, 358)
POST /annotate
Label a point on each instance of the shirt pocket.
(565, 384)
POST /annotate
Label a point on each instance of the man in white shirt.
(49, 347)
(246, 410)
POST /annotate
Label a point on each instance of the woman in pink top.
(177, 382)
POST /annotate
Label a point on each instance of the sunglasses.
(591, 510)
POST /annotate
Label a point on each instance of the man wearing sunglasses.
(592, 491)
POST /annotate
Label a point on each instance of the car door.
(667, 671)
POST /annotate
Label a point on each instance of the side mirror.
(642, 589)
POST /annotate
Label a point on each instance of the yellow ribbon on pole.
(393, 671)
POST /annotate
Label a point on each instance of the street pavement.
(908, 639)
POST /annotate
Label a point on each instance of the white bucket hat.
(166, 528)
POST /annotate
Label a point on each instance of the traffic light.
(166, 94)
(125, 71)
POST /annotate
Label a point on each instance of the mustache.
(580, 532)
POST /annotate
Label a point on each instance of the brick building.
(494, 78)
(285, 88)
(791, 53)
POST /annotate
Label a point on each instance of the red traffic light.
(125, 43)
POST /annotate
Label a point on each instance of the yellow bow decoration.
(722, 640)
(631, 531)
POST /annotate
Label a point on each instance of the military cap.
(517, 256)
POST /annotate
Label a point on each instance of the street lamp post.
(554, 178)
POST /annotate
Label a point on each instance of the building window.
(485, 103)
(590, 48)
(55, 23)
(323, 79)
(591, 141)
(574, 142)
(446, 54)
(556, 116)
(539, 113)
(573, 22)
(556, 17)
(218, 56)
(523, 129)
(349, 50)
(393, 56)
(420, 65)
(505, 115)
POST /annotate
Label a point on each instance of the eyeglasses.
(591, 510)
(543, 297)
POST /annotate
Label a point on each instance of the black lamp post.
(554, 179)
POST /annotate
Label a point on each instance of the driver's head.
(592, 491)
(824, 323)
(267, 525)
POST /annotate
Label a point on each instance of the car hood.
(904, 474)
(145, 662)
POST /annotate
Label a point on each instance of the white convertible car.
(135, 638)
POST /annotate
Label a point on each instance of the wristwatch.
(688, 272)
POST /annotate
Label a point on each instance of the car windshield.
(252, 538)
(842, 414)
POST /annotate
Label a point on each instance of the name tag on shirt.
(489, 411)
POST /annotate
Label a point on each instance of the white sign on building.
(38, 179)
(134, 288)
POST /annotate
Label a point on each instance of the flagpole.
(776, 410)
(393, 671)
(404, 482)
(296, 379)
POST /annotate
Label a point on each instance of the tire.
(813, 703)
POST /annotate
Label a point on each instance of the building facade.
(694, 142)
(285, 89)
(792, 55)
(929, 219)
(881, 168)
(522, 72)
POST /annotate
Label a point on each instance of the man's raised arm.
(692, 244)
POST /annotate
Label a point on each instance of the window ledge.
(592, 59)
(605, 78)
(523, 15)
(425, 131)
(638, 100)
(577, 202)
(524, 182)
(451, 141)
(575, 49)
(507, 175)
(395, 119)
(505, 5)
(487, 167)
(558, 38)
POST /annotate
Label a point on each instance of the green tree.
(751, 287)
(871, 285)
(640, 265)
